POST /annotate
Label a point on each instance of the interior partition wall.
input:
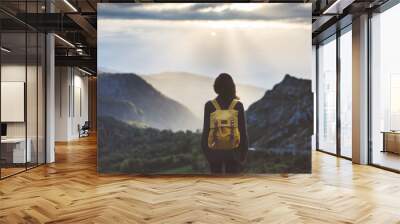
(22, 66)
(334, 94)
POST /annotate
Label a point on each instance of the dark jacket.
(243, 146)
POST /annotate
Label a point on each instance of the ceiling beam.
(49, 22)
(337, 7)
(84, 24)
(78, 61)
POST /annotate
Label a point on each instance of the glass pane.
(13, 86)
(41, 98)
(386, 89)
(314, 81)
(31, 100)
(31, 88)
(346, 94)
(22, 89)
(327, 96)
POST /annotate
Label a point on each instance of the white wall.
(62, 81)
(71, 93)
(80, 110)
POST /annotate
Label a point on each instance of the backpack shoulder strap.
(216, 105)
(233, 104)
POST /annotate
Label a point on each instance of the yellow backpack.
(224, 129)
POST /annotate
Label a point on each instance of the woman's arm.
(206, 129)
(244, 142)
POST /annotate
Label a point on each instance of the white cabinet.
(19, 155)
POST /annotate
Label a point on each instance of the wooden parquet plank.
(71, 191)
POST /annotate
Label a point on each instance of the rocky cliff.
(282, 120)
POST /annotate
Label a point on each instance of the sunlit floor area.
(5, 172)
(71, 191)
(387, 159)
(12, 169)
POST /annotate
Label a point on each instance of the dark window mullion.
(26, 87)
(37, 90)
(369, 95)
(338, 92)
(317, 96)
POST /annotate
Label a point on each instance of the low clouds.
(297, 13)
(259, 43)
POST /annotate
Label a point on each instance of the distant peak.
(289, 77)
(292, 85)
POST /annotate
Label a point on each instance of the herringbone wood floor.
(70, 191)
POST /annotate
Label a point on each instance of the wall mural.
(204, 88)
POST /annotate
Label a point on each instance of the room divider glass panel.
(32, 95)
(15, 151)
(22, 77)
(327, 96)
(385, 89)
(41, 79)
(346, 93)
(33, 7)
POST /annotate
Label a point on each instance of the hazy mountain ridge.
(194, 90)
(129, 98)
(102, 70)
(283, 119)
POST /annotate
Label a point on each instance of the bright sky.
(257, 43)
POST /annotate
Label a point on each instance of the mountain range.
(281, 120)
(131, 113)
(129, 98)
(194, 91)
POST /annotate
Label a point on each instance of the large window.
(385, 89)
(335, 94)
(346, 93)
(327, 96)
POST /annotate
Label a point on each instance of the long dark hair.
(225, 87)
